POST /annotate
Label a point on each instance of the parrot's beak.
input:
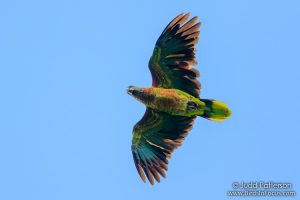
(129, 90)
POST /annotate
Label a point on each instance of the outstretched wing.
(155, 137)
(174, 56)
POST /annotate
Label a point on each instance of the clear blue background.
(66, 119)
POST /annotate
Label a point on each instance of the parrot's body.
(176, 102)
(173, 102)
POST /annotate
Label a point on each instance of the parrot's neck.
(145, 95)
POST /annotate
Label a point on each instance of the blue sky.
(66, 119)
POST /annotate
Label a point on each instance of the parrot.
(173, 102)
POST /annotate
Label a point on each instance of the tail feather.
(215, 110)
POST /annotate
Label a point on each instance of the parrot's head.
(136, 92)
(141, 94)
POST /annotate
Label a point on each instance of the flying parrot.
(173, 102)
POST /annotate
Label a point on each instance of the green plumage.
(173, 101)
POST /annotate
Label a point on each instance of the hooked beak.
(129, 90)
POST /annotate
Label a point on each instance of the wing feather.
(155, 137)
(174, 56)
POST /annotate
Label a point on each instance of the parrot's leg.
(192, 105)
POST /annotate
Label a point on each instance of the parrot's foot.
(192, 105)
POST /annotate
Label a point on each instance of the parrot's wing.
(174, 56)
(155, 137)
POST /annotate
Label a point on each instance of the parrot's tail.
(215, 110)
